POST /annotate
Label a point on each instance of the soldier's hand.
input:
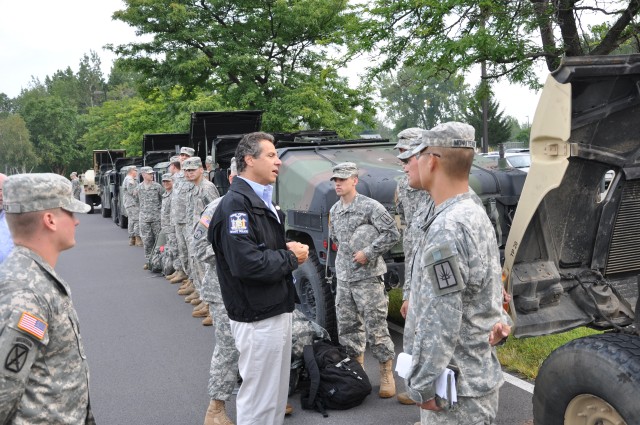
(498, 333)
(300, 250)
(360, 257)
(404, 308)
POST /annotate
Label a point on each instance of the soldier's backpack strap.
(311, 400)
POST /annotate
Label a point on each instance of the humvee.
(572, 256)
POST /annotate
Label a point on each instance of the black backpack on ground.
(336, 381)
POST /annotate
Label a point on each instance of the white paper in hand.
(403, 365)
(446, 386)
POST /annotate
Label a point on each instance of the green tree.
(499, 126)
(510, 37)
(6, 105)
(16, 151)
(255, 54)
(410, 99)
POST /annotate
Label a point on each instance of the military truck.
(305, 193)
(103, 160)
(573, 253)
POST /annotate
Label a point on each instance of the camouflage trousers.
(361, 310)
(149, 231)
(469, 411)
(223, 373)
(133, 213)
(182, 248)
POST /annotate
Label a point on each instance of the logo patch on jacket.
(238, 224)
(16, 358)
(32, 325)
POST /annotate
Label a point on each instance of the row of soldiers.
(171, 209)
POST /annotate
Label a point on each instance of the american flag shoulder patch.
(32, 325)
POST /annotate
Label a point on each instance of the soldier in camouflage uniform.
(150, 198)
(44, 376)
(75, 185)
(131, 205)
(179, 217)
(165, 225)
(456, 289)
(361, 301)
(224, 361)
(172, 243)
(200, 194)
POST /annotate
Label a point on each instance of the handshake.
(300, 250)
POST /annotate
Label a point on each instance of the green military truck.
(103, 160)
(573, 252)
(305, 193)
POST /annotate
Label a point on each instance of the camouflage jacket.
(75, 187)
(44, 377)
(165, 211)
(203, 250)
(130, 188)
(198, 197)
(344, 220)
(179, 199)
(150, 198)
(456, 295)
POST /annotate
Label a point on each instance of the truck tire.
(105, 212)
(592, 380)
(316, 299)
(122, 221)
(89, 201)
(114, 211)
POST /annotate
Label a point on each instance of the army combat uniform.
(179, 220)
(131, 205)
(150, 198)
(361, 302)
(169, 231)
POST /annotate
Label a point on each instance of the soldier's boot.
(387, 382)
(360, 359)
(288, 410)
(208, 321)
(185, 283)
(403, 398)
(145, 267)
(216, 414)
(171, 276)
(196, 301)
(189, 289)
(139, 241)
(192, 296)
(132, 241)
(179, 277)
(200, 312)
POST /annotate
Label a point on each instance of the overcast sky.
(38, 38)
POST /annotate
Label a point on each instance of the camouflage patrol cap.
(406, 136)
(167, 177)
(174, 158)
(411, 145)
(362, 237)
(187, 151)
(344, 170)
(38, 192)
(192, 163)
(147, 170)
(448, 135)
(74, 174)
(208, 159)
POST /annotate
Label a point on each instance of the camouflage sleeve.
(23, 331)
(438, 318)
(389, 235)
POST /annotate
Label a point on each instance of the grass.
(520, 356)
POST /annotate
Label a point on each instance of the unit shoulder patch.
(238, 224)
(444, 270)
(385, 218)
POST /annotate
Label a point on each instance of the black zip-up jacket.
(253, 264)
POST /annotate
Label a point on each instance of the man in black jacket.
(254, 265)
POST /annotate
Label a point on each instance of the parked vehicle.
(572, 255)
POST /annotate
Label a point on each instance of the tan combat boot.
(139, 241)
(192, 296)
(216, 414)
(200, 312)
(360, 359)
(196, 301)
(208, 321)
(187, 290)
(171, 276)
(403, 398)
(288, 410)
(132, 241)
(387, 383)
(145, 266)
(179, 277)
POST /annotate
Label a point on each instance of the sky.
(38, 38)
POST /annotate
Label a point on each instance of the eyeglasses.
(424, 152)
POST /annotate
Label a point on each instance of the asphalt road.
(149, 359)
